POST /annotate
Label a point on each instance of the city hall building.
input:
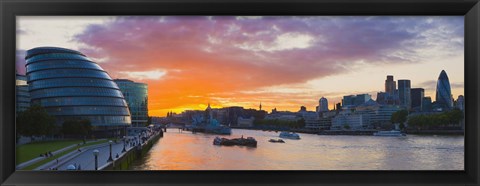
(71, 86)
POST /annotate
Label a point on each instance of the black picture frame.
(11, 8)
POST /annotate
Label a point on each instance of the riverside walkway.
(84, 159)
(38, 159)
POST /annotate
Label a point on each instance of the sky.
(280, 62)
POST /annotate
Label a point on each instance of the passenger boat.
(276, 141)
(289, 135)
(392, 133)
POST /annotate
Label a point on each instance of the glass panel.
(55, 56)
(64, 82)
(75, 91)
(60, 73)
(88, 110)
(62, 64)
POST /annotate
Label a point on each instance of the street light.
(95, 153)
(124, 144)
(110, 158)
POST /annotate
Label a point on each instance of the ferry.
(289, 135)
(393, 133)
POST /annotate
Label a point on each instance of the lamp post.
(124, 144)
(110, 158)
(95, 153)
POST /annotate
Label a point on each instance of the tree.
(399, 116)
(76, 127)
(35, 121)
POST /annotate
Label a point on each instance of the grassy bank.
(32, 150)
(35, 165)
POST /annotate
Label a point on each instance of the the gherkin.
(444, 93)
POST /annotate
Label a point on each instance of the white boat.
(289, 135)
(393, 133)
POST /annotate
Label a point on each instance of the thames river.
(187, 151)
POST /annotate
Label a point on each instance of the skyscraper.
(390, 85)
(71, 86)
(417, 95)
(460, 102)
(404, 93)
(136, 95)
(427, 104)
(323, 105)
(443, 96)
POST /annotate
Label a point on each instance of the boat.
(249, 141)
(393, 133)
(276, 141)
(289, 135)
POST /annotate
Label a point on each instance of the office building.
(417, 95)
(460, 103)
(71, 86)
(312, 120)
(443, 96)
(323, 105)
(390, 85)
(354, 100)
(427, 104)
(136, 95)
(404, 93)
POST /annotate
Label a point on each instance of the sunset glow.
(280, 62)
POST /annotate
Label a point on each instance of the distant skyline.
(282, 62)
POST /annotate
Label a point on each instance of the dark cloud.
(227, 54)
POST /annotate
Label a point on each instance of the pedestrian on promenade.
(57, 160)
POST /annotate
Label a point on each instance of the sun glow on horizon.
(281, 62)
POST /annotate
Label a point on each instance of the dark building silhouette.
(404, 93)
(443, 96)
(390, 85)
(417, 95)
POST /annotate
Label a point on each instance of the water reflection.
(186, 151)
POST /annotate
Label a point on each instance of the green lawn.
(35, 165)
(32, 150)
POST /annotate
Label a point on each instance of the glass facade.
(70, 86)
(136, 95)
(444, 94)
(404, 93)
(417, 95)
(22, 94)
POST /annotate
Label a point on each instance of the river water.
(186, 151)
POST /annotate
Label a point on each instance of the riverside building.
(136, 95)
(71, 86)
